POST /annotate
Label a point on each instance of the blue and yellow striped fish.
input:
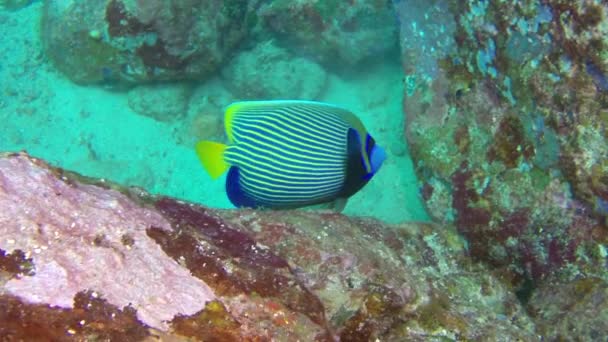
(290, 154)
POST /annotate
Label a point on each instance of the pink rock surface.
(82, 259)
(84, 237)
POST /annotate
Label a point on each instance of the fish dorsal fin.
(229, 115)
(239, 108)
(353, 121)
(338, 204)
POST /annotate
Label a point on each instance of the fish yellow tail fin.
(211, 155)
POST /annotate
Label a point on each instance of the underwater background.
(494, 114)
(81, 92)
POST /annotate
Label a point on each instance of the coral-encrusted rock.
(116, 41)
(577, 308)
(270, 72)
(97, 260)
(509, 134)
(335, 32)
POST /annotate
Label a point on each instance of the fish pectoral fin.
(211, 155)
(331, 207)
(339, 204)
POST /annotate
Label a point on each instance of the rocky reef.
(270, 72)
(333, 32)
(117, 41)
(87, 259)
(507, 127)
(13, 5)
(506, 120)
(565, 310)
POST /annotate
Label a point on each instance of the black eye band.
(369, 144)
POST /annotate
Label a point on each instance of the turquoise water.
(92, 130)
(494, 115)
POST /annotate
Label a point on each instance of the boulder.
(508, 132)
(270, 72)
(338, 33)
(119, 42)
(83, 258)
(205, 118)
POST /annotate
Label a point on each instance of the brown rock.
(110, 260)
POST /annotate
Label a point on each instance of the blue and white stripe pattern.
(289, 156)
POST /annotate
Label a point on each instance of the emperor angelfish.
(290, 154)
